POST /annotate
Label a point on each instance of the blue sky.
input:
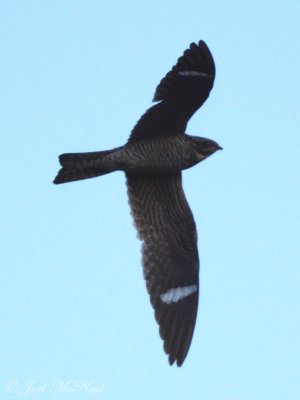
(76, 76)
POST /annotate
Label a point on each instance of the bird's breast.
(166, 155)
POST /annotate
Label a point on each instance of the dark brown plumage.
(156, 152)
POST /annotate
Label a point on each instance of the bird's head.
(206, 147)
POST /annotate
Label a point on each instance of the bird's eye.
(205, 143)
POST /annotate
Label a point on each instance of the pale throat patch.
(175, 294)
(193, 74)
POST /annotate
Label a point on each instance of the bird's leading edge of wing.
(191, 78)
(170, 257)
(181, 92)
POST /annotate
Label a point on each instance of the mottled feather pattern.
(170, 258)
(77, 166)
(157, 150)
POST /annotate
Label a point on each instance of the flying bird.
(157, 150)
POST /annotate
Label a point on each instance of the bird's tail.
(77, 166)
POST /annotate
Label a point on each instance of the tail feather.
(77, 166)
(82, 159)
(69, 175)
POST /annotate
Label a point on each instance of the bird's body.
(165, 155)
(157, 151)
(158, 155)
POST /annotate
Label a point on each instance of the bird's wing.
(181, 92)
(170, 257)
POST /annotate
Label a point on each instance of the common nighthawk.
(156, 152)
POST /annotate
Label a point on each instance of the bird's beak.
(219, 148)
